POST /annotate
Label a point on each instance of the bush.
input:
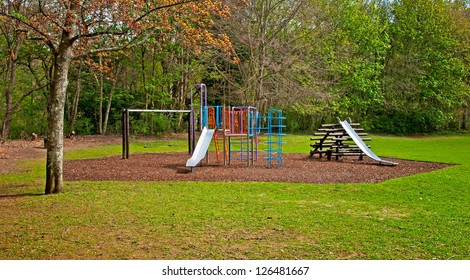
(84, 126)
(411, 122)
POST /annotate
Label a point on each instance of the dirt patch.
(296, 168)
(13, 151)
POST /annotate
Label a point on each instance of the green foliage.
(425, 75)
(361, 41)
(84, 126)
(415, 121)
(153, 124)
(395, 66)
(31, 119)
(307, 116)
(18, 15)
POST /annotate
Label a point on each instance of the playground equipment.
(126, 128)
(201, 148)
(240, 127)
(198, 108)
(361, 145)
(343, 139)
(192, 125)
(154, 126)
(240, 134)
(275, 137)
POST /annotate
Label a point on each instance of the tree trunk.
(55, 118)
(8, 113)
(144, 76)
(6, 125)
(11, 72)
(8, 100)
(110, 96)
(100, 83)
(464, 125)
(76, 98)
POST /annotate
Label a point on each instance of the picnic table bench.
(333, 141)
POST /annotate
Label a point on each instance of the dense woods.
(398, 67)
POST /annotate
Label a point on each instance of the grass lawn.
(425, 216)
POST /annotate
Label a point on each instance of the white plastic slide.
(352, 133)
(201, 147)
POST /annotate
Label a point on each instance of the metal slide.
(352, 133)
(201, 147)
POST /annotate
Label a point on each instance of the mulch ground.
(296, 168)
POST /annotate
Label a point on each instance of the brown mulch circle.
(296, 168)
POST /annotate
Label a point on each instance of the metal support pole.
(248, 148)
(189, 135)
(124, 136)
(253, 150)
(192, 120)
(127, 133)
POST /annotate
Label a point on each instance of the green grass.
(135, 147)
(425, 216)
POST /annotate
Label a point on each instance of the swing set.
(192, 124)
(239, 126)
(148, 144)
(159, 126)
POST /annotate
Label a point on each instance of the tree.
(268, 36)
(73, 107)
(15, 38)
(354, 53)
(72, 29)
(109, 70)
(461, 11)
(425, 70)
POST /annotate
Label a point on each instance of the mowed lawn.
(425, 216)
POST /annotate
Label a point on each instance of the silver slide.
(352, 133)
(201, 147)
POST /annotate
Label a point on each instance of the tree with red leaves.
(78, 28)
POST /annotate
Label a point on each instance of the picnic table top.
(338, 125)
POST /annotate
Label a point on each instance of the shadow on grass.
(20, 195)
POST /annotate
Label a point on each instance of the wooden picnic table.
(333, 140)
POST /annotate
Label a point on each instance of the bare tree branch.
(45, 36)
(138, 39)
(23, 96)
(41, 10)
(163, 7)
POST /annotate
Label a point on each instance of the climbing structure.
(241, 128)
(214, 118)
(275, 137)
(240, 135)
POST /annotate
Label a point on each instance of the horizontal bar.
(159, 111)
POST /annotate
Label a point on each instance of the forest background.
(399, 67)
